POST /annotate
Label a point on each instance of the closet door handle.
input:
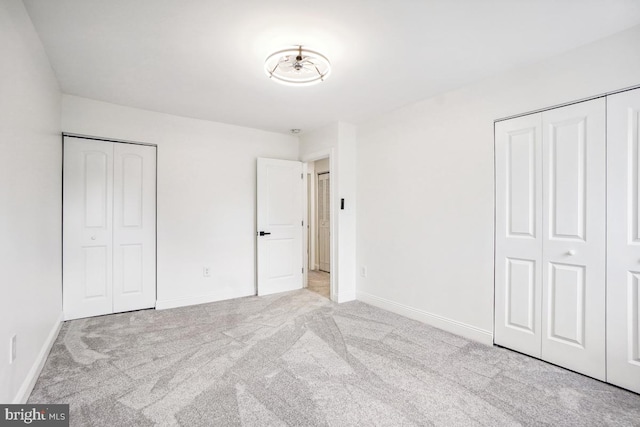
(571, 252)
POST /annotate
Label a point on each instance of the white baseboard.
(346, 296)
(30, 381)
(200, 299)
(455, 327)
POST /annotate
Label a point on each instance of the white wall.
(30, 203)
(206, 194)
(347, 165)
(425, 184)
(339, 139)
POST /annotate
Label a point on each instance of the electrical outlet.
(12, 349)
(363, 272)
(206, 272)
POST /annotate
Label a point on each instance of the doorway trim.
(333, 242)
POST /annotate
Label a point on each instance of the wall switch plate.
(12, 349)
(206, 272)
(363, 272)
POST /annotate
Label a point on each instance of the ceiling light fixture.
(297, 66)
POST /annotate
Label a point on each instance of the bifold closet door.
(574, 245)
(87, 226)
(519, 234)
(324, 212)
(109, 227)
(550, 236)
(134, 227)
(623, 235)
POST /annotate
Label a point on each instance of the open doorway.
(319, 227)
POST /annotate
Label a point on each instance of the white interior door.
(623, 234)
(134, 227)
(87, 227)
(519, 234)
(280, 216)
(574, 200)
(324, 213)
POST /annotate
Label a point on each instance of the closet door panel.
(574, 200)
(518, 234)
(134, 198)
(87, 228)
(567, 180)
(623, 235)
(324, 212)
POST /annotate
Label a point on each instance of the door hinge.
(302, 270)
(301, 176)
(302, 223)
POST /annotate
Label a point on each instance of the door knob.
(93, 237)
(264, 233)
(571, 252)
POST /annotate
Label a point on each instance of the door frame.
(333, 242)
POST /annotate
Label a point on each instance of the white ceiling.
(204, 58)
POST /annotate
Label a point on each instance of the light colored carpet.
(319, 282)
(299, 359)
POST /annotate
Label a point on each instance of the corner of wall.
(32, 376)
(453, 326)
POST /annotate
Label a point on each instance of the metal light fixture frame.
(281, 66)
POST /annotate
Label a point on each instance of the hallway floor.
(319, 282)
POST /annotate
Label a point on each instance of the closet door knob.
(571, 252)
(93, 237)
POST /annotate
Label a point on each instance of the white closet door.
(324, 213)
(623, 246)
(87, 227)
(518, 234)
(134, 227)
(574, 176)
